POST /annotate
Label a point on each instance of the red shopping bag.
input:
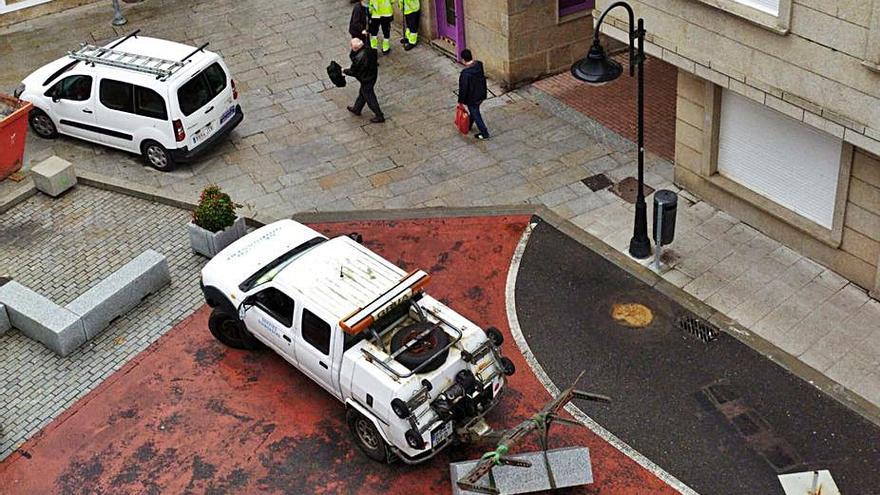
(462, 119)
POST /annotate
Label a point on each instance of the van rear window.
(201, 89)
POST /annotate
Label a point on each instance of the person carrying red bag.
(472, 91)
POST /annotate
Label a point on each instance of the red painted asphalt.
(191, 416)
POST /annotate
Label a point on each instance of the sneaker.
(352, 110)
(481, 137)
(408, 46)
(378, 119)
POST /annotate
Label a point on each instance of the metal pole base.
(640, 245)
(118, 18)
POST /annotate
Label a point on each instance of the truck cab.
(414, 375)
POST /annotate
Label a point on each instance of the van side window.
(277, 304)
(76, 88)
(117, 95)
(148, 103)
(201, 89)
(316, 331)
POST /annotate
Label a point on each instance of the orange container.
(13, 132)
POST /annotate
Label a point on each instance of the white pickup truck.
(414, 375)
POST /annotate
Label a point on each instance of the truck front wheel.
(367, 436)
(231, 331)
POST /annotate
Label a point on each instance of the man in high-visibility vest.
(381, 14)
(412, 11)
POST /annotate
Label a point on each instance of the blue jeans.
(477, 118)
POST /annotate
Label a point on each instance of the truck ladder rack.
(159, 67)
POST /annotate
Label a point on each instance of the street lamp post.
(118, 18)
(598, 69)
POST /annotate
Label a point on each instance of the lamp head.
(597, 69)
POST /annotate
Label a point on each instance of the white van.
(166, 101)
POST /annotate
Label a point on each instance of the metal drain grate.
(699, 328)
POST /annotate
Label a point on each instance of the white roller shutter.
(769, 6)
(778, 157)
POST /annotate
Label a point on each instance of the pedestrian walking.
(365, 68)
(472, 91)
(381, 15)
(358, 26)
(412, 13)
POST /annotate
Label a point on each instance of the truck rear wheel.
(367, 436)
(431, 347)
(231, 331)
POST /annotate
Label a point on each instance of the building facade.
(517, 40)
(778, 117)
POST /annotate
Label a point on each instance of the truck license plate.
(441, 434)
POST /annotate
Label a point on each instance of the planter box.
(209, 243)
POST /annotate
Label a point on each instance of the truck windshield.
(268, 272)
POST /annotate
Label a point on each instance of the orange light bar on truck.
(362, 318)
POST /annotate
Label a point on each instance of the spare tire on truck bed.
(431, 347)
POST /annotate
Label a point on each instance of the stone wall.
(542, 44)
(522, 40)
(857, 255)
(818, 65)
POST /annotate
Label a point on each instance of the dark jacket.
(364, 65)
(472, 85)
(358, 23)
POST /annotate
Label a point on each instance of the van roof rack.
(159, 67)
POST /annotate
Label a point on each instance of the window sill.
(562, 19)
(779, 24)
(831, 237)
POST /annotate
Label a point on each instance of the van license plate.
(228, 113)
(441, 434)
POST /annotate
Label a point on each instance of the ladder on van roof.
(159, 67)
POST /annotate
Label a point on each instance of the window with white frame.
(772, 14)
(769, 6)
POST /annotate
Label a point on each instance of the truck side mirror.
(244, 306)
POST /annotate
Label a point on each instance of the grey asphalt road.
(756, 422)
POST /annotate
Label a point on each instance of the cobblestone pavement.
(60, 248)
(300, 150)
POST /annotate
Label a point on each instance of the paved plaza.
(299, 150)
(61, 247)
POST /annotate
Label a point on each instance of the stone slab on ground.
(120, 292)
(53, 176)
(570, 467)
(4, 320)
(41, 319)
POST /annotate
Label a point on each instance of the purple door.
(450, 23)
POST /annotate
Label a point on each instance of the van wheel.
(428, 348)
(229, 330)
(42, 125)
(156, 156)
(367, 436)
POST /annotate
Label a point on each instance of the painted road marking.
(542, 376)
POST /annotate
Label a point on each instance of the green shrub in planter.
(214, 224)
(215, 211)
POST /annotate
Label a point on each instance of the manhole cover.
(597, 182)
(699, 328)
(628, 189)
(633, 315)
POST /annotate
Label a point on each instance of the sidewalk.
(300, 150)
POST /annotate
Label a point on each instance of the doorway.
(450, 25)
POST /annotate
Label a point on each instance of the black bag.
(334, 71)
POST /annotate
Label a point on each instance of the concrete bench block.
(4, 320)
(53, 176)
(121, 292)
(41, 319)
